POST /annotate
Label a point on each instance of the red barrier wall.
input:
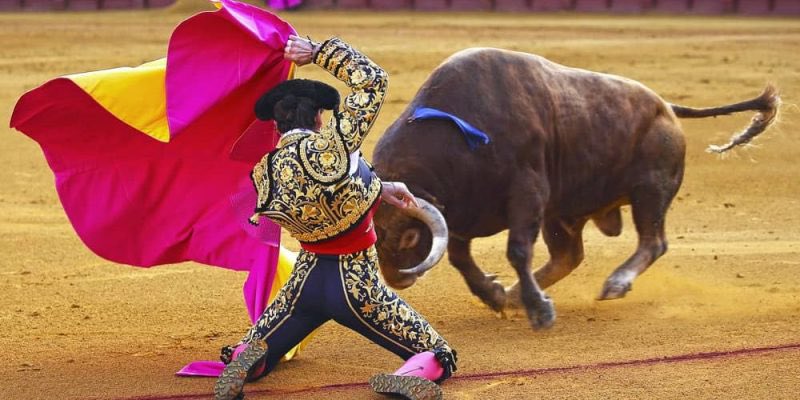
(672, 6)
(713, 6)
(471, 5)
(591, 5)
(787, 7)
(753, 7)
(630, 6)
(703, 7)
(351, 3)
(550, 5)
(80, 5)
(511, 5)
(432, 5)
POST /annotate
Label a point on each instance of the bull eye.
(409, 239)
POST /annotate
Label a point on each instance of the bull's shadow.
(566, 146)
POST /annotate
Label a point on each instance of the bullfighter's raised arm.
(368, 83)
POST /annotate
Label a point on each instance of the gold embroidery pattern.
(368, 82)
(324, 157)
(283, 305)
(324, 54)
(306, 189)
(312, 211)
(292, 136)
(260, 177)
(381, 310)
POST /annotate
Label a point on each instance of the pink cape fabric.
(135, 200)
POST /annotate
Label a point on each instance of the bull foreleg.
(564, 238)
(525, 215)
(480, 284)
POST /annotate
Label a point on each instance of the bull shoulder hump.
(481, 52)
(486, 56)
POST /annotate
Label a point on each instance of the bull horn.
(431, 216)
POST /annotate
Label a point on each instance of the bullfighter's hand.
(398, 195)
(300, 50)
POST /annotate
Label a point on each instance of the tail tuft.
(767, 105)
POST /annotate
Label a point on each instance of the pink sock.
(424, 365)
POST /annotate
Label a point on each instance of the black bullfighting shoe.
(410, 387)
(231, 382)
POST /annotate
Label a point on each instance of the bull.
(567, 146)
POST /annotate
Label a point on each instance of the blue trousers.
(345, 288)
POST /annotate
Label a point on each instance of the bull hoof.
(543, 315)
(614, 290)
(494, 296)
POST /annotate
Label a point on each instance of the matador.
(317, 186)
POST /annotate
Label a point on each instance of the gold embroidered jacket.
(304, 184)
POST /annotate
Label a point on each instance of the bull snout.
(402, 281)
(395, 277)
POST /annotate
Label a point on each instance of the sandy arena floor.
(717, 317)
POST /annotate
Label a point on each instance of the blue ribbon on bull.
(473, 135)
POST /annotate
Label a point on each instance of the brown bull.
(567, 146)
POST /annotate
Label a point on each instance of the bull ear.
(409, 239)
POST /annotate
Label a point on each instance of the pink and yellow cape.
(152, 163)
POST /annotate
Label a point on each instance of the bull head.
(410, 242)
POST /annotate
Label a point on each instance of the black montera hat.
(324, 95)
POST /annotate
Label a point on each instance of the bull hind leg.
(480, 284)
(648, 215)
(649, 206)
(564, 239)
(663, 151)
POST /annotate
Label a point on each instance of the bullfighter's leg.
(564, 240)
(526, 210)
(359, 300)
(484, 286)
(289, 318)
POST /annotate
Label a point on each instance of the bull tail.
(766, 104)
